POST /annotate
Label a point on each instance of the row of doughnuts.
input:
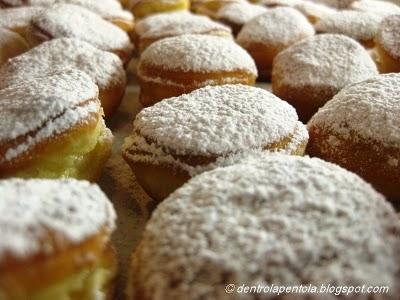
(246, 217)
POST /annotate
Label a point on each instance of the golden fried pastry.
(359, 25)
(388, 45)
(359, 129)
(210, 7)
(267, 35)
(383, 8)
(311, 72)
(178, 65)
(186, 135)
(144, 8)
(67, 20)
(237, 14)
(18, 19)
(11, 44)
(274, 221)
(105, 68)
(55, 240)
(52, 127)
(159, 26)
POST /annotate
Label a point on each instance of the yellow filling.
(80, 158)
(148, 8)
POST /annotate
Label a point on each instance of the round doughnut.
(278, 220)
(55, 240)
(359, 25)
(144, 8)
(177, 65)
(339, 4)
(388, 45)
(159, 26)
(311, 72)
(11, 44)
(67, 20)
(237, 14)
(383, 8)
(18, 19)
(183, 136)
(359, 130)
(267, 35)
(52, 127)
(210, 7)
(105, 68)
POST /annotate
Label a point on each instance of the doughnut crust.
(60, 230)
(273, 220)
(311, 72)
(388, 45)
(11, 44)
(177, 65)
(144, 8)
(359, 130)
(210, 127)
(60, 132)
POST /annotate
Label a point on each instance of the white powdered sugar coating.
(50, 104)
(74, 210)
(217, 120)
(66, 20)
(389, 36)
(16, 3)
(19, 17)
(371, 109)
(240, 12)
(330, 60)
(278, 26)
(177, 23)
(359, 25)
(198, 53)
(278, 219)
(105, 68)
(314, 10)
(340, 4)
(383, 8)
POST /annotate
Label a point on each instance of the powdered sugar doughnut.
(105, 68)
(388, 45)
(17, 3)
(314, 11)
(177, 65)
(18, 19)
(339, 4)
(66, 20)
(159, 26)
(359, 130)
(237, 14)
(60, 230)
(267, 35)
(359, 25)
(145, 8)
(11, 44)
(275, 220)
(311, 72)
(183, 136)
(52, 127)
(383, 8)
(210, 7)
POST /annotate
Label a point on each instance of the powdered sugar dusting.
(358, 25)
(198, 53)
(370, 108)
(19, 17)
(217, 120)
(240, 12)
(74, 210)
(66, 20)
(383, 8)
(389, 35)
(263, 221)
(105, 68)
(280, 26)
(324, 60)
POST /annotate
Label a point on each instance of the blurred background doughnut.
(144, 8)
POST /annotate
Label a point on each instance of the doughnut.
(18, 19)
(311, 72)
(339, 4)
(237, 14)
(210, 7)
(177, 65)
(278, 220)
(52, 127)
(359, 25)
(383, 8)
(159, 26)
(18, 3)
(180, 137)
(67, 20)
(104, 68)
(267, 35)
(359, 130)
(11, 44)
(388, 45)
(144, 8)
(55, 240)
